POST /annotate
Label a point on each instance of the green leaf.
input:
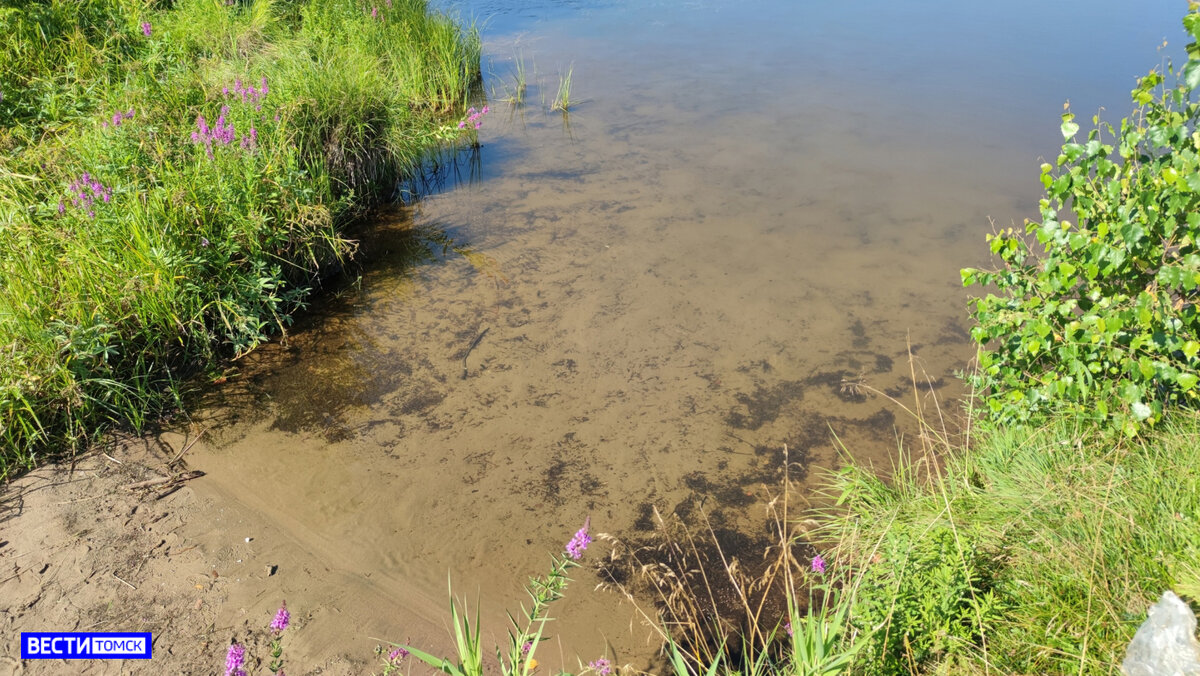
(1069, 128)
(1187, 381)
(1191, 23)
(1141, 411)
(1190, 348)
(1191, 74)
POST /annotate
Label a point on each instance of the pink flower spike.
(282, 618)
(234, 659)
(581, 541)
(146, 28)
(818, 564)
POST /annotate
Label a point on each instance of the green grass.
(514, 92)
(562, 96)
(105, 308)
(1038, 550)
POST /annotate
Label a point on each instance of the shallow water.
(752, 213)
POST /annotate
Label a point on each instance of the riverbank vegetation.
(175, 177)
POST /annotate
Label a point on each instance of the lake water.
(752, 212)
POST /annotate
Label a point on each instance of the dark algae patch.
(764, 404)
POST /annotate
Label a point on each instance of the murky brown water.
(746, 210)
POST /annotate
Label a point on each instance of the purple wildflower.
(374, 12)
(146, 28)
(84, 191)
(601, 666)
(281, 619)
(397, 655)
(526, 647)
(788, 628)
(474, 118)
(203, 241)
(222, 133)
(818, 564)
(580, 542)
(234, 660)
(62, 208)
(116, 119)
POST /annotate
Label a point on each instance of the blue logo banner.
(83, 645)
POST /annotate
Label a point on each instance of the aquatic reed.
(562, 97)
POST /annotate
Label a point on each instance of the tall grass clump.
(1036, 551)
(562, 96)
(175, 178)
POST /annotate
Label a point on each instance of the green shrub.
(1095, 309)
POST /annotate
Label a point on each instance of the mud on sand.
(79, 551)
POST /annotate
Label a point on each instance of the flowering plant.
(523, 637)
